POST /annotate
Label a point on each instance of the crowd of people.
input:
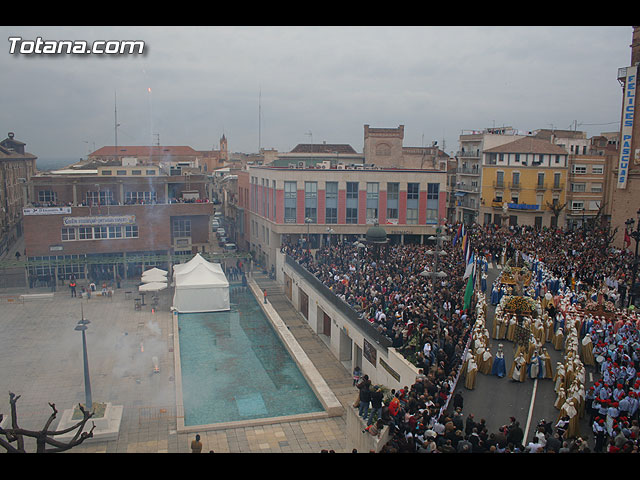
(573, 271)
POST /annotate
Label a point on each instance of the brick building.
(113, 221)
(17, 166)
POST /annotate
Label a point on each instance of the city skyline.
(309, 84)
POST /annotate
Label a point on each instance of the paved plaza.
(41, 357)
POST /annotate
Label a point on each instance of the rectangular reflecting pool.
(234, 367)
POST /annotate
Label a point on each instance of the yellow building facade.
(521, 180)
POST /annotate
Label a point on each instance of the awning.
(460, 194)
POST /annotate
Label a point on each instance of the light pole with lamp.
(82, 327)
(308, 221)
(635, 234)
(330, 231)
(436, 274)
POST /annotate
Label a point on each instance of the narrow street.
(496, 399)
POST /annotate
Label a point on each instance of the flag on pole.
(458, 235)
(468, 293)
(470, 266)
(627, 238)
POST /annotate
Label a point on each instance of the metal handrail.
(346, 309)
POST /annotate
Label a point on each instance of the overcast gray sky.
(327, 81)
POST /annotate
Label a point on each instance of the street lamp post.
(436, 274)
(82, 327)
(635, 234)
(308, 221)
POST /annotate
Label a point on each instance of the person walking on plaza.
(196, 445)
(72, 286)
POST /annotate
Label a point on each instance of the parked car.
(215, 225)
(222, 241)
(220, 232)
(230, 247)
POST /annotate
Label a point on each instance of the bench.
(35, 296)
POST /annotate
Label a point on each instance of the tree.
(556, 208)
(43, 437)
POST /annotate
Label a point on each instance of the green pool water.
(234, 367)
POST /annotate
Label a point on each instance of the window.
(516, 178)
(290, 199)
(579, 169)
(106, 172)
(578, 187)
(556, 180)
(597, 169)
(499, 179)
(131, 231)
(413, 194)
(596, 187)
(99, 232)
(372, 201)
(517, 157)
(181, 227)
(140, 197)
(121, 172)
(136, 172)
(311, 201)
(151, 172)
(331, 202)
(267, 198)
(594, 205)
(68, 234)
(85, 233)
(541, 179)
(433, 197)
(273, 192)
(101, 197)
(47, 196)
(115, 231)
(393, 195)
(577, 205)
(352, 202)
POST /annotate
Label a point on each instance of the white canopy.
(152, 287)
(155, 271)
(197, 259)
(152, 278)
(200, 286)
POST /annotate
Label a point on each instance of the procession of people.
(577, 292)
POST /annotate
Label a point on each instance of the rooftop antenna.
(260, 120)
(116, 124)
(310, 134)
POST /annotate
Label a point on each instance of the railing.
(468, 188)
(515, 186)
(344, 308)
(468, 171)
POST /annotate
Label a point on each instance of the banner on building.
(99, 220)
(626, 128)
(46, 211)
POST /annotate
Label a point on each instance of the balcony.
(468, 171)
(475, 154)
(541, 187)
(557, 188)
(515, 186)
(498, 184)
(467, 188)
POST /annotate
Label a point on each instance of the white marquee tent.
(200, 286)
